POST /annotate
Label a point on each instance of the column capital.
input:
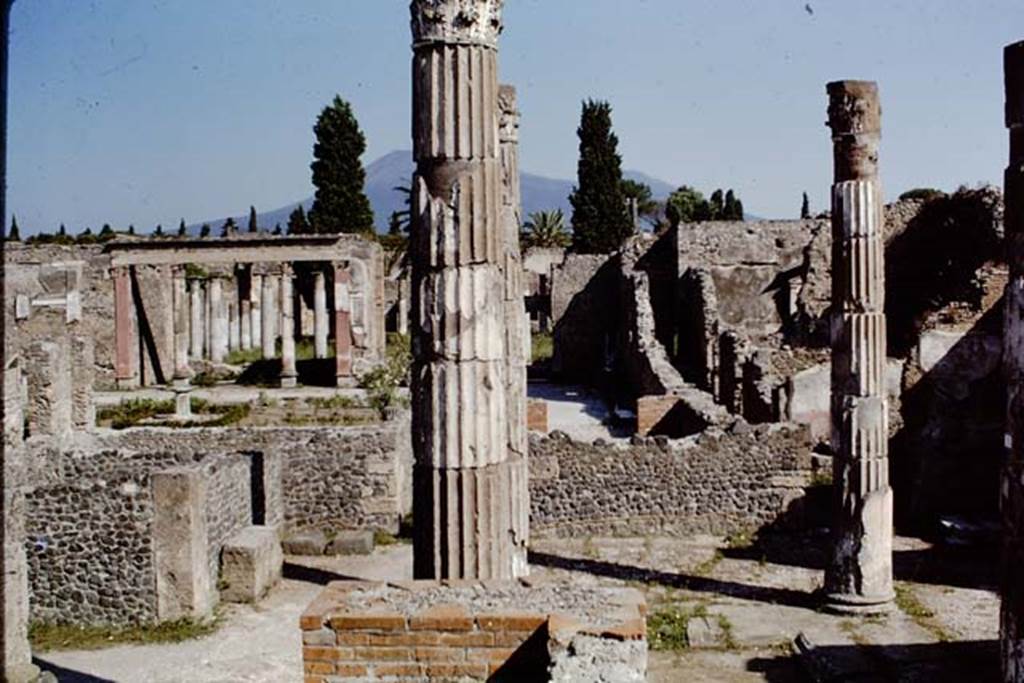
(456, 22)
(508, 120)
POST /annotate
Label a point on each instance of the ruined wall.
(229, 502)
(39, 276)
(88, 538)
(716, 482)
(583, 292)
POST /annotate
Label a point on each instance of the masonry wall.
(715, 482)
(229, 502)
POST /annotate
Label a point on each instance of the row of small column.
(208, 323)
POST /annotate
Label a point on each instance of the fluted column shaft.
(268, 335)
(319, 315)
(342, 326)
(196, 322)
(859, 575)
(289, 374)
(181, 300)
(255, 309)
(1011, 499)
(463, 478)
(218, 321)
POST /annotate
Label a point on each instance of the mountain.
(396, 169)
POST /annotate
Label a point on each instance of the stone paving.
(751, 601)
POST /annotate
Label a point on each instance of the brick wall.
(445, 641)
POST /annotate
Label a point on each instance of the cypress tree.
(277, 229)
(340, 203)
(14, 235)
(182, 231)
(252, 220)
(63, 232)
(719, 208)
(600, 220)
(297, 222)
(229, 228)
(729, 209)
(805, 208)
(131, 229)
(159, 232)
(205, 230)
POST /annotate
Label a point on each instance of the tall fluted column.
(182, 372)
(234, 327)
(859, 575)
(517, 328)
(255, 317)
(267, 335)
(463, 477)
(1011, 499)
(319, 315)
(218, 321)
(196, 321)
(289, 374)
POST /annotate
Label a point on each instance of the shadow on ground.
(321, 577)
(67, 675)
(700, 584)
(932, 662)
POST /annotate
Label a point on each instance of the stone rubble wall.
(228, 503)
(715, 482)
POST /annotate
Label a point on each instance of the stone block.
(537, 415)
(180, 552)
(251, 564)
(351, 543)
(312, 542)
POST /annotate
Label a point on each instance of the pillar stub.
(456, 22)
(855, 117)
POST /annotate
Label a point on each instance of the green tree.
(600, 220)
(546, 229)
(733, 209)
(717, 206)
(85, 237)
(182, 230)
(159, 232)
(922, 193)
(62, 231)
(277, 229)
(14, 234)
(340, 203)
(687, 205)
(131, 229)
(253, 227)
(805, 207)
(229, 227)
(106, 233)
(646, 207)
(204, 231)
(298, 224)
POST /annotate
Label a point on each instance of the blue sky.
(132, 111)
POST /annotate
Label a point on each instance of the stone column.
(463, 476)
(182, 372)
(858, 577)
(218, 321)
(123, 374)
(1011, 500)
(196, 322)
(319, 315)
(256, 320)
(288, 373)
(234, 327)
(269, 343)
(207, 319)
(517, 325)
(342, 326)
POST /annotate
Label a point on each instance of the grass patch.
(336, 402)
(542, 346)
(908, 603)
(740, 540)
(707, 566)
(728, 636)
(667, 627)
(49, 637)
(204, 379)
(589, 549)
(821, 477)
(243, 356)
(133, 411)
(383, 538)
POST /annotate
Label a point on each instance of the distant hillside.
(396, 169)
